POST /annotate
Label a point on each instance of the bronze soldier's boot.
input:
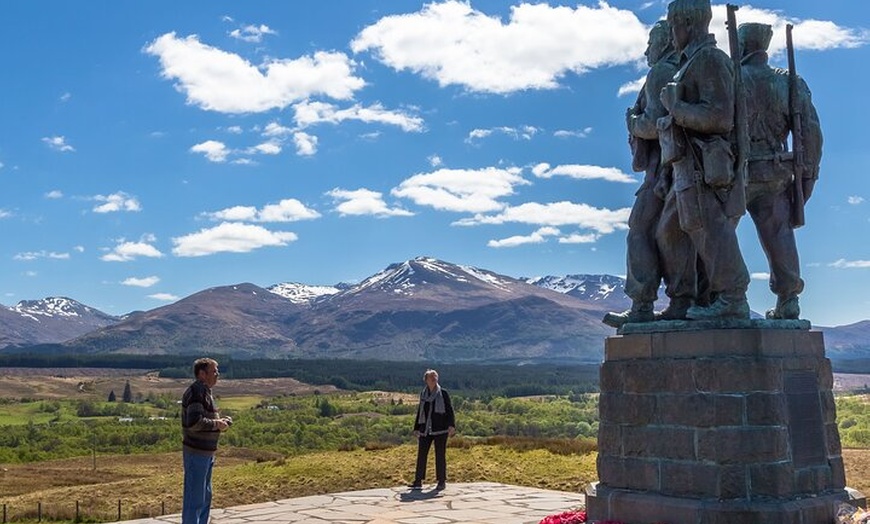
(721, 308)
(786, 308)
(676, 310)
(639, 312)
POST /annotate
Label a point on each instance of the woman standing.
(434, 423)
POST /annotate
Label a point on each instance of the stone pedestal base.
(718, 426)
(641, 507)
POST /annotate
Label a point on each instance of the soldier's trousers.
(694, 215)
(644, 260)
(769, 205)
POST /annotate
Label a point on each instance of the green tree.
(128, 393)
(112, 397)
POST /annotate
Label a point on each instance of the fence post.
(39, 511)
(4, 513)
(78, 516)
(162, 509)
(119, 509)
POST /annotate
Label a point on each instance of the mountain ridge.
(418, 309)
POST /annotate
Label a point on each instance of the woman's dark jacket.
(440, 421)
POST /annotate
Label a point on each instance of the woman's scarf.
(429, 396)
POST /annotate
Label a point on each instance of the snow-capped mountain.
(412, 276)
(421, 308)
(302, 293)
(603, 288)
(56, 307)
(49, 320)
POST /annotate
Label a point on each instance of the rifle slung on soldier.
(798, 218)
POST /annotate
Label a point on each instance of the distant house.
(125, 419)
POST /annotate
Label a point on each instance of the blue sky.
(149, 150)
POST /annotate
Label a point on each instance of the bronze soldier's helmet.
(754, 37)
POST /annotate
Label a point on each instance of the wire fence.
(84, 511)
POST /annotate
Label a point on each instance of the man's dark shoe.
(639, 312)
(676, 310)
(418, 484)
(441, 485)
(788, 308)
(722, 308)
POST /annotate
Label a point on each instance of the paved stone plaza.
(475, 503)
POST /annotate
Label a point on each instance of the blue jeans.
(197, 488)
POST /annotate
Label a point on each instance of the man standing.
(201, 425)
(769, 193)
(644, 270)
(704, 202)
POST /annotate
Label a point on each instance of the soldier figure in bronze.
(643, 252)
(706, 199)
(778, 99)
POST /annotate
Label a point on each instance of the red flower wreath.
(568, 517)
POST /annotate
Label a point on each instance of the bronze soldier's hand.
(669, 95)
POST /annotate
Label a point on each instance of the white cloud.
(855, 200)
(217, 80)
(1, 165)
(275, 129)
(309, 113)
(850, 264)
(164, 297)
(461, 190)
(632, 87)
(576, 238)
(58, 143)
(33, 255)
(363, 201)
(287, 210)
(817, 35)
(213, 150)
(306, 145)
(435, 161)
(127, 251)
(252, 33)
(582, 172)
(229, 237)
(271, 147)
(55, 194)
(537, 237)
(524, 133)
(761, 275)
(454, 44)
(65, 97)
(556, 214)
(580, 133)
(5, 214)
(119, 201)
(243, 162)
(236, 130)
(141, 282)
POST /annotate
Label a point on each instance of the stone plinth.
(718, 425)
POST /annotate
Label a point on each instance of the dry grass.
(149, 484)
(95, 384)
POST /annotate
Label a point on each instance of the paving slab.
(470, 503)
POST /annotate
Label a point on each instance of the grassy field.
(148, 484)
